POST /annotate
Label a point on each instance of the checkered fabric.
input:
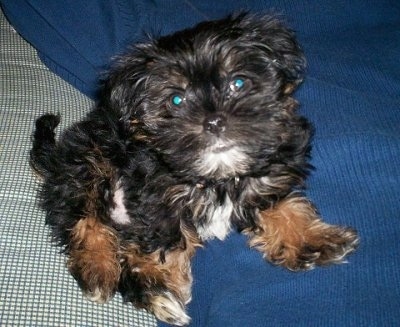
(35, 286)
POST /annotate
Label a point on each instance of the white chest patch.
(219, 218)
(119, 213)
(222, 163)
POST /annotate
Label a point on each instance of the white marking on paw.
(167, 308)
(349, 248)
(96, 296)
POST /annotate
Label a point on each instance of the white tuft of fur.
(219, 221)
(118, 213)
(217, 162)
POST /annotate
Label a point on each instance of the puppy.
(194, 135)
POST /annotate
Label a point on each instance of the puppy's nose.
(215, 124)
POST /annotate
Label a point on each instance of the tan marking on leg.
(292, 234)
(174, 276)
(93, 259)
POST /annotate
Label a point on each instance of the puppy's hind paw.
(168, 308)
(93, 260)
(98, 295)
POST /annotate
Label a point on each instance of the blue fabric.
(351, 93)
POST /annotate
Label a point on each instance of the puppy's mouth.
(220, 146)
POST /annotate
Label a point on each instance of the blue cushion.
(351, 93)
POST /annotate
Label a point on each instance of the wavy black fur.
(227, 141)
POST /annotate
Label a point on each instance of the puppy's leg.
(292, 234)
(93, 259)
(163, 288)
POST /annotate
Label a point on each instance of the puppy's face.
(214, 100)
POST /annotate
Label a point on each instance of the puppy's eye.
(177, 100)
(238, 84)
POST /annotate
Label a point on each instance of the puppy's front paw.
(322, 244)
(328, 244)
(292, 235)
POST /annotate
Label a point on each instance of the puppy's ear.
(279, 45)
(124, 85)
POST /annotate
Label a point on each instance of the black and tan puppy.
(195, 134)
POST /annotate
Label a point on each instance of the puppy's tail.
(44, 142)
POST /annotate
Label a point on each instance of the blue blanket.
(351, 93)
